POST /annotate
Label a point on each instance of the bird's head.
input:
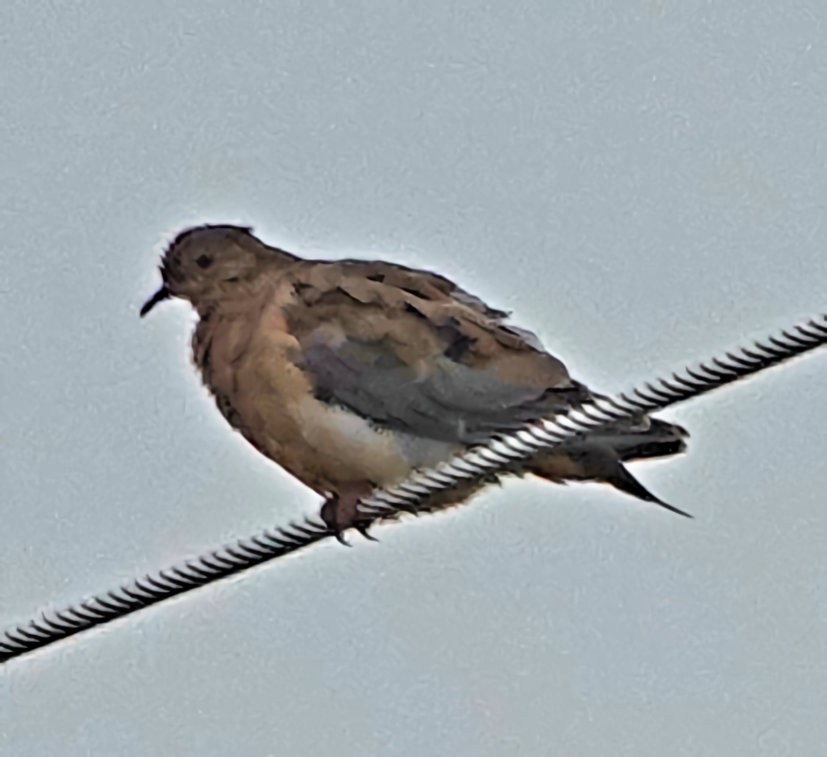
(204, 263)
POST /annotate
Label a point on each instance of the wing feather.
(410, 351)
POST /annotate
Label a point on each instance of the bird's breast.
(263, 393)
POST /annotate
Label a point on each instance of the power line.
(478, 464)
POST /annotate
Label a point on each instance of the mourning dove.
(352, 374)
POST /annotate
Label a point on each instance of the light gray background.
(643, 183)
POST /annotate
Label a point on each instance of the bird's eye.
(205, 261)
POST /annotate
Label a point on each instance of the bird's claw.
(340, 537)
(364, 530)
(340, 513)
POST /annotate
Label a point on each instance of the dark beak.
(162, 294)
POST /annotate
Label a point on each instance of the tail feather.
(600, 457)
(624, 481)
(660, 439)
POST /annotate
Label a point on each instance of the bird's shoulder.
(374, 300)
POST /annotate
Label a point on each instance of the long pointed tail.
(601, 457)
(623, 480)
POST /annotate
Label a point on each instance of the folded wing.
(409, 351)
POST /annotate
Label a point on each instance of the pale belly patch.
(349, 447)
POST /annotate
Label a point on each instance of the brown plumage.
(352, 374)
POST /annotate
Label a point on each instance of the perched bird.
(352, 374)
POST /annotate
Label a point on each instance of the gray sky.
(642, 183)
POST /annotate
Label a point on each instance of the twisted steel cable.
(505, 451)
(478, 464)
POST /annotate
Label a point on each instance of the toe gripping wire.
(480, 463)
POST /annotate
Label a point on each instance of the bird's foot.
(339, 512)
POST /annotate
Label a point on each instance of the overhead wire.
(480, 463)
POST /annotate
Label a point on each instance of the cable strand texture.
(480, 463)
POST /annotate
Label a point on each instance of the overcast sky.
(642, 183)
